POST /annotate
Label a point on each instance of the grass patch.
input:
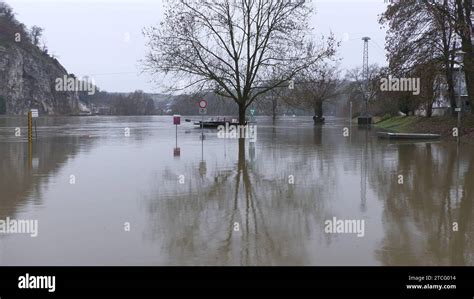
(442, 125)
(398, 123)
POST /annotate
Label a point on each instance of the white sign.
(34, 112)
(457, 109)
(202, 111)
(202, 104)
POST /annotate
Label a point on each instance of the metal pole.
(176, 136)
(350, 112)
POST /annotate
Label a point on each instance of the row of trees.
(135, 103)
(252, 49)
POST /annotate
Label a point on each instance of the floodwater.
(104, 198)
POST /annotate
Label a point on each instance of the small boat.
(211, 123)
(389, 135)
(82, 113)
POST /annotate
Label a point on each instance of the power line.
(117, 73)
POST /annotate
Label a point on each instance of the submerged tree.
(234, 48)
(313, 87)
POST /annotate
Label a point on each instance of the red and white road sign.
(202, 104)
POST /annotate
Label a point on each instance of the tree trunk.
(241, 160)
(451, 94)
(242, 109)
(318, 109)
(464, 10)
(318, 112)
(429, 109)
(430, 96)
(469, 72)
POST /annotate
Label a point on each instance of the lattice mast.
(365, 73)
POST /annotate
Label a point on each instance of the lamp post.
(460, 54)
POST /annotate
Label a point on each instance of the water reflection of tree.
(419, 214)
(195, 224)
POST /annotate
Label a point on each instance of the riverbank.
(442, 125)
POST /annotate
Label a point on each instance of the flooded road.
(114, 191)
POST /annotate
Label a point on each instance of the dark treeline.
(188, 105)
(136, 103)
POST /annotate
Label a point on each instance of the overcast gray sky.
(102, 38)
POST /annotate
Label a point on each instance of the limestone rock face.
(27, 80)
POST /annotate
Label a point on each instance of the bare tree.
(234, 47)
(36, 33)
(270, 102)
(357, 89)
(313, 87)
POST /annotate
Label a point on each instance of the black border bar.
(291, 282)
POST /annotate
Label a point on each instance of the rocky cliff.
(28, 74)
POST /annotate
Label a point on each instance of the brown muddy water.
(101, 197)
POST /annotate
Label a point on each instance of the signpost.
(202, 104)
(176, 122)
(34, 114)
(202, 110)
